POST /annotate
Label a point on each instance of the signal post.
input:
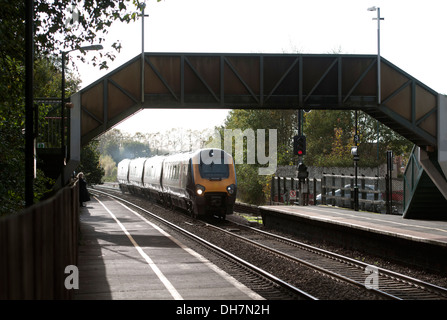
(299, 149)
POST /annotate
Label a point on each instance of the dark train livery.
(202, 182)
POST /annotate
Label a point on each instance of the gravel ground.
(411, 271)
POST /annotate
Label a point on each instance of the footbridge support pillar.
(426, 175)
(442, 134)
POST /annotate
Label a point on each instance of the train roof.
(184, 156)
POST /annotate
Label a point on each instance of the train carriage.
(175, 181)
(123, 175)
(152, 178)
(201, 182)
(214, 179)
(136, 171)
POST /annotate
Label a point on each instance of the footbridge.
(285, 81)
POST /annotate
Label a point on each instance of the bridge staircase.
(422, 197)
(50, 156)
(50, 161)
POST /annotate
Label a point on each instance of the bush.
(252, 188)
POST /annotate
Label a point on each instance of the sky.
(412, 37)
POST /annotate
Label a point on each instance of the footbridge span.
(286, 81)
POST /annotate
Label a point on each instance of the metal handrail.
(412, 175)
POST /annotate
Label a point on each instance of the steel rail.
(304, 262)
(388, 274)
(215, 248)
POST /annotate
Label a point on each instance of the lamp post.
(379, 98)
(355, 155)
(29, 103)
(142, 7)
(64, 53)
(378, 50)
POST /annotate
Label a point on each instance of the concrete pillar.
(75, 135)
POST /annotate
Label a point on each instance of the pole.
(63, 145)
(356, 187)
(379, 98)
(29, 103)
(379, 89)
(62, 120)
(378, 58)
(143, 5)
(299, 160)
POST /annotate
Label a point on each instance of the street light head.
(86, 48)
(372, 9)
(93, 47)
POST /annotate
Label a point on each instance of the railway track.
(384, 282)
(387, 284)
(265, 283)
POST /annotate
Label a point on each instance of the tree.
(52, 35)
(120, 146)
(330, 136)
(90, 164)
(373, 132)
(254, 188)
(110, 169)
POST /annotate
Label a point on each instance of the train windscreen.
(214, 167)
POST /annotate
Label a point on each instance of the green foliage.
(284, 121)
(91, 26)
(52, 35)
(330, 136)
(110, 169)
(252, 187)
(90, 164)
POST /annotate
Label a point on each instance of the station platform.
(434, 232)
(124, 256)
(420, 242)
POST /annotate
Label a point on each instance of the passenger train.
(202, 182)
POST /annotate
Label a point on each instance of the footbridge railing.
(412, 175)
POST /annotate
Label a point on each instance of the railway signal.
(299, 145)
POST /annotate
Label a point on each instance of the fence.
(337, 190)
(37, 245)
(284, 190)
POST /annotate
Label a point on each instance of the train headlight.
(231, 189)
(200, 189)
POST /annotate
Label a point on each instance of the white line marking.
(175, 294)
(380, 220)
(253, 295)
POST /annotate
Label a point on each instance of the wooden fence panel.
(36, 245)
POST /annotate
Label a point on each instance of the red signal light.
(299, 145)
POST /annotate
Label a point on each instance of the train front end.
(214, 180)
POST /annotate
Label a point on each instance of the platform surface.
(433, 232)
(123, 256)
